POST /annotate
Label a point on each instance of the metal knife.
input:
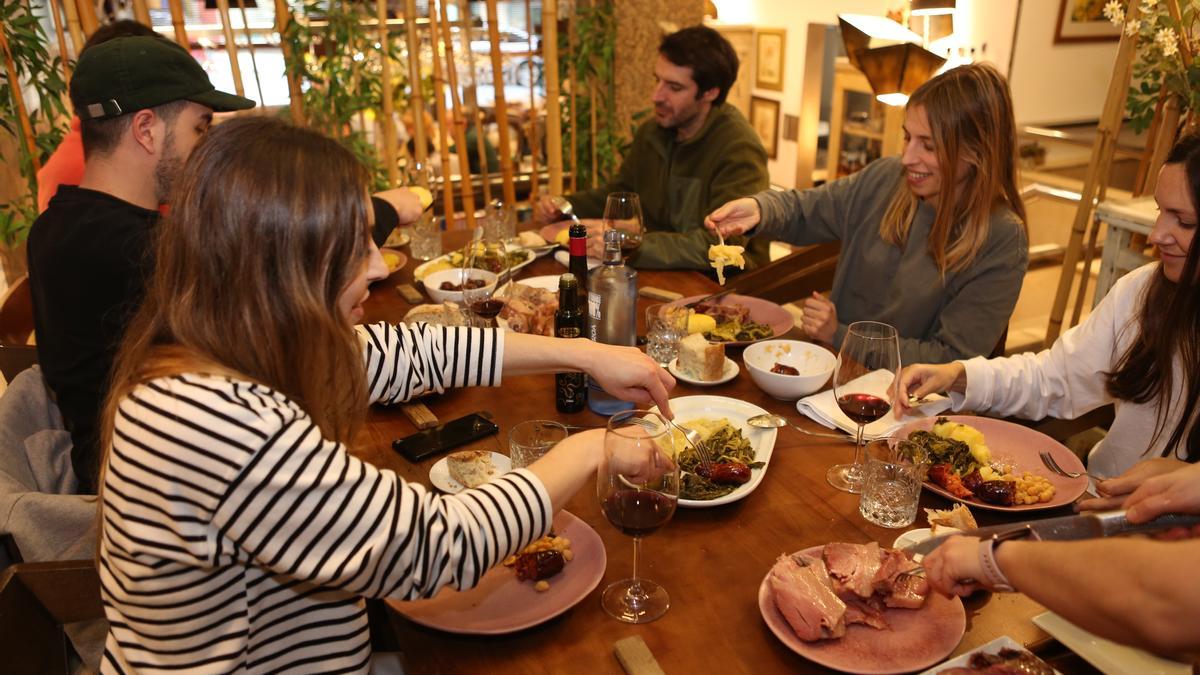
(1066, 528)
(706, 298)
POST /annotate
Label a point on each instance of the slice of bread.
(471, 468)
(700, 359)
(445, 314)
(957, 518)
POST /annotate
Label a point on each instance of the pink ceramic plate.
(1021, 445)
(502, 604)
(549, 232)
(401, 258)
(761, 311)
(918, 638)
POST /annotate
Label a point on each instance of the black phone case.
(452, 434)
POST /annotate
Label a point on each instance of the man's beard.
(167, 169)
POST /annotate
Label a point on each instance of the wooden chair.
(16, 313)
(36, 601)
(807, 269)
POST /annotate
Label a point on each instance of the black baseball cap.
(134, 73)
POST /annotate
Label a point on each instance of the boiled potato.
(967, 434)
(700, 323)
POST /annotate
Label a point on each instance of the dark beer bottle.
(570, 389)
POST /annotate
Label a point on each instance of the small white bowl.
(814, 362)
(434, 281)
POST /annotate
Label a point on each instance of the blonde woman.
(236, 531)
(933, 242)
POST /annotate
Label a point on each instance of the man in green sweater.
(697, 153)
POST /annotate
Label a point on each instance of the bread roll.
(700, 359)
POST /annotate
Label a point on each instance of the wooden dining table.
(710, 560)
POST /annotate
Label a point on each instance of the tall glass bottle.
(578, 263)
(612, 314)
(570, 389)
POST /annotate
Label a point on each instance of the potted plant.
(32, 77)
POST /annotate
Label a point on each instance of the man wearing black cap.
(143, 103)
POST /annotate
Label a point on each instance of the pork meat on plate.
(851, 583)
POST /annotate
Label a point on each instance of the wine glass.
(868, 366)
(487, 251)
(623, 212)
(638, 487)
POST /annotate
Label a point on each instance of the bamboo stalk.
(231, 46)
(481, 149)
(553, 112)
(87, 17)
(250, 45)
(533, 126)
(460, 131)
(595, 179)
(62, 48)
(389, 126)
(501, 105)
(572, 77)
(177, 22)
(283, 16)
(471, 104)
(74, 28)
(439, 104)
(414, 80)
(142, 13)
(1097, 175)
(19, 103)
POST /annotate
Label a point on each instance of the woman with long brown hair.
(236, 531)
(933, 242)
(1139, 349)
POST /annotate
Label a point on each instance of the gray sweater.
(938, 320)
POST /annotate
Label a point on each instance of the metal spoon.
(773, 421)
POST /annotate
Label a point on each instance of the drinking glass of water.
(666, 325)
(892, 487)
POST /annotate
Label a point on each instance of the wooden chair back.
(36, 600)
(16, 313)
(796, 275)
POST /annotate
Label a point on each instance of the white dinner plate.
(737, 412)
(547, 282)
(1107, 656)
(439, 473)
(421, 270)
(564, 259)
(993, 647)
(729, 372)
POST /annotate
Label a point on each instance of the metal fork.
(1051, 464)
(692, 437)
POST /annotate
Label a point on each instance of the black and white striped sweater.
(236, 538)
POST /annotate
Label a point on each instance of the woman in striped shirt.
(237, 533)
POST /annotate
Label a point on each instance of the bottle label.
(570, 391)
(569, 332)
(578, 246)
(594, 306)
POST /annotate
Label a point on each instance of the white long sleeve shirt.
(1068, 380)
(237, 539)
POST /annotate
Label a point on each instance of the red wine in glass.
(863, 408)
(487, 309)
(637, 513)
(868, 364)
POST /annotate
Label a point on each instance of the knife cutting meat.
(1065, 528)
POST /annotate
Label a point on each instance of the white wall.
(793, 15)
(1056, 83)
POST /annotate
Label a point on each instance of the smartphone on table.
(425, 444)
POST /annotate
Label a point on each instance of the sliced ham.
(853, 567)
(849, 584)
(801, 589)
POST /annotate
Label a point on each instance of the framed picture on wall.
(1084, 21)
(764, 117)
(768, 70)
